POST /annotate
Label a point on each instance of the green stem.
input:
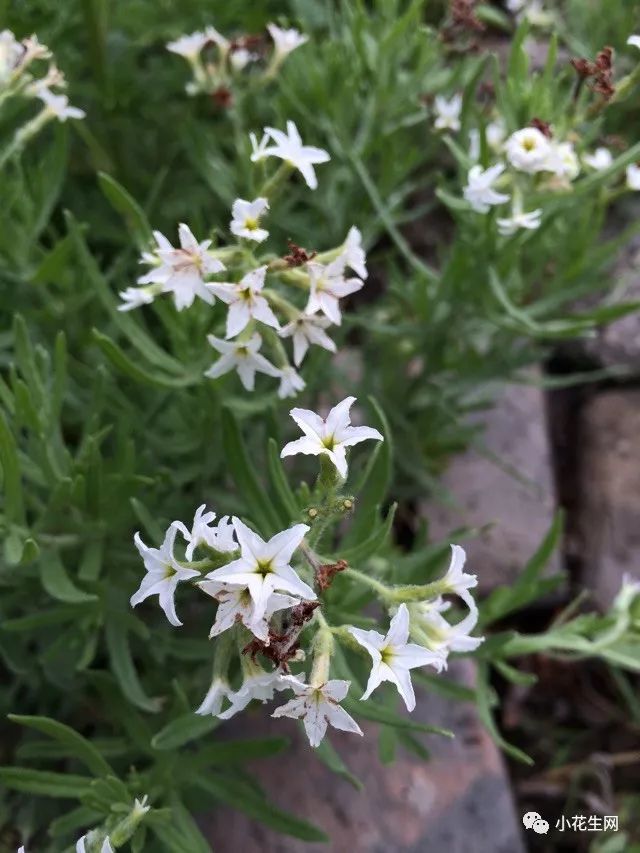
(382, 590)
(274, 183)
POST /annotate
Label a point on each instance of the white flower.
(164, 573)
(393, 657)
(456, 581)
(246, 219)
(245, 302)
(448, 112)
(256, 685)
(217, 38)
(479, 191)
(291, 383)
(82, 848)
(563, 160)
(327, 286)
(474, 145)
(235, 604)
(442, 637)
(353, 255)
(258, 149)
(519, 219)
(599, 160)
(528, 150)
(329, 437)
(242, 356)
(189, 46)
(634, 41)
(263, 567)
(307, 329)
(181, 271)
(241, 57)
(58, 105)
(318, 706)
(134, 297)
(212, 702)
(288, 147)
(285, 41)
(633, 176)
(627, 594)
(495, 133)
(11, 53)
(220, 537)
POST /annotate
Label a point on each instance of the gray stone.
(609, 493)
(504, 481)
(459, 801)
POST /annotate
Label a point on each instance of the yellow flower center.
(264, 567)
(251, 224)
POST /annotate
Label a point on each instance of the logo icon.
(534, 821)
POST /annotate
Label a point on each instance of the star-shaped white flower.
(242, 356)
(58, 105)
(305, 330)
(528, 150)
(220, 537)
(442, 636)
(11, 52)
(456, 581)
(529, 221)
(245, 301)
(189, 46)
(246, 219)
(216, 694)
(291, 383)
(235, 604)
(329, 437)
(563, 160)
(394, 657)
(448, 112)
(263, 567)
(289, 147)
(633, 177)
(317, 707)
(256, 685)
(164, 573)
(601, 159)
(479, 191)
(181, 271)
(286, 41)
(134, 297)
(327, 286)
(81, 845)
(353, 255)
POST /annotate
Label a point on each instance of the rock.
(506, 481)
(609, 506)
(459, 801)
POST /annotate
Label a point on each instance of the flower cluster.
(214, 72)
(256, 310)
(508, 168)
(268, 591)
(18, 59)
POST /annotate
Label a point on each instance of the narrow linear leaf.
(124, 670)
(43, 783)
(182, 730)
(77, 746)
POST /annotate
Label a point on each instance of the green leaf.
(56, 581)
(134, 371)
(526, 588)
(329, 756)
(485, 701)
(259, 506)
(373, 486)
(379, 714)
(124, 670)
(183, 729)
(239, 751)
(360, 553)
(287, 504)
(239, 795)
(77, 746)
(11, 482)
(179, 833)
(124, 204)
(43, 783)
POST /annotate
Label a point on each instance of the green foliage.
(107, 424)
